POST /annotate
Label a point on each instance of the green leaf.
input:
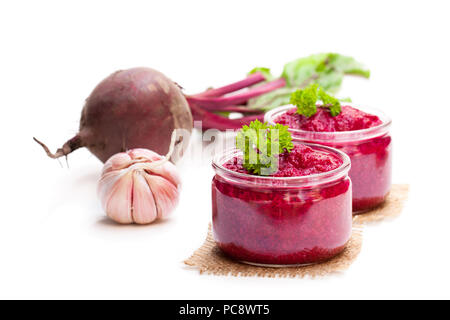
(349, 65)
(330, 81)
(264, 71)
(303, 71)
(261, 145)
(273, 99)
(330, 102)
(326, 69)
(305, 100)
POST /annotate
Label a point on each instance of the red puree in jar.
(370, 157)
(349, 119)
(301, 161)
(269, 220)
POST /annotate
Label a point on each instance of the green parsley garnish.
(306, 100)
(261, 145)
(330, 102)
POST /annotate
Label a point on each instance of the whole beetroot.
(134, 108)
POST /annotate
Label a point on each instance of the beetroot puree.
(301, 161)
(371, 157)
(271, 221)
(349, 119)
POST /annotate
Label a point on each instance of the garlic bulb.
(138, 186)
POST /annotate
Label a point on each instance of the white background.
(54, 239)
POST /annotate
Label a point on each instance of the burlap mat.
(209, 259)
(391, 208)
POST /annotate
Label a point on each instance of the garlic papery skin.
(138, 186)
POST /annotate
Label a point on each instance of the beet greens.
(262, 91)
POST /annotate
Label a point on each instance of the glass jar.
(370, 152)
(280, 221)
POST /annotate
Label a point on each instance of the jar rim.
(336, 136)
(295, 181)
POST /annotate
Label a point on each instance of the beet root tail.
(67, 148)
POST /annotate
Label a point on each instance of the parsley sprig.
(261, 145)
(306, 100)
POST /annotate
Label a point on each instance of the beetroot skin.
(134, 108)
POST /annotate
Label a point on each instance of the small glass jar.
(370, 152)
(280, 221)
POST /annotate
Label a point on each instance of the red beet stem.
(67, 148)
(214, 121)
(240, 109)
(215, 103)
(217, 92)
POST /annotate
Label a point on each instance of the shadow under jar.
(278, 221)
(370, 152)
